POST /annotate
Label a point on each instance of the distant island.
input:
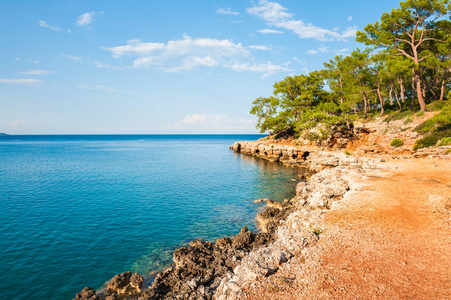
(2, 133)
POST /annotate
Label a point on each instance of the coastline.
(229, 267)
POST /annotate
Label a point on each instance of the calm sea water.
(76, 210)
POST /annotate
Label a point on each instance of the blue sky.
(82, 67)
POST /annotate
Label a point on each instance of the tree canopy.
(406, 65)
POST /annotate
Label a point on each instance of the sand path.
(390, 241)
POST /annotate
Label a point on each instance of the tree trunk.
(365, 109)
(416, 75)
(341, 91)
(381, 101)
(442, 90)
(434, 94)
(420, 92)
(413, 93)
(390, 94)
(397, 99)
(403, 96)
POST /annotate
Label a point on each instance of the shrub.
(317, 231)
(435, 129)
(420, 113)
(348, 153)
(433, 137)
(436, 105)
(445, 141)
(399, 115)
(408, 120)
(448, 152)
(396, 143)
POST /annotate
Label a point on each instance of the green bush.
(448, 152)
(399, 115)
(409, 119)
(445, 141)
(397, 142)
(317, 231)
(436, 105)
(435, 129)
(348, 153)
(420, 113)
(433, 137)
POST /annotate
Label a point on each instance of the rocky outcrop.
(443, 152)
(197, 271)
(303, 225)
(87, 294)
(123, 286)
(288, 155)
(200, 267)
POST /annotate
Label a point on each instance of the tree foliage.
(406, 66)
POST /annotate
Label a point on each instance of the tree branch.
(403, 40)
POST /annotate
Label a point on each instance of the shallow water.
(76, 210)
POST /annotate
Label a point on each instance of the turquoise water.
(76, 210)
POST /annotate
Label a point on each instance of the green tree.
(404, 30)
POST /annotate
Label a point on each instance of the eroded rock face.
(287, 155)
(125, 284)
(200, 267)
(87, 294)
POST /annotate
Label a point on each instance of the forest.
(404, 68)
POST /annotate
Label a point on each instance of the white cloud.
(267, 31)
(76, 58)
(37, 72)
(99, 87)
(106, 66)
(324, 49)
(350, 32)
(17, 58)
(16, 123)
(22, 81)
(267, 68)
(45, 25)
(86, 18)
(227, 11)
(349, 18)
(341, 51)
(260, 47)
(276, 15)
(217, 123)
(299, 61)
(136, 47)
(191, 53)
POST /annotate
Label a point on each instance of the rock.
(87, 294)
(126, 283)
(288, 155)
(244, 239)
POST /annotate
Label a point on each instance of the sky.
(161, 67)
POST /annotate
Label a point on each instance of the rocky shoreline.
(221, 270)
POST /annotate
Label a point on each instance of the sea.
(77, 209)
